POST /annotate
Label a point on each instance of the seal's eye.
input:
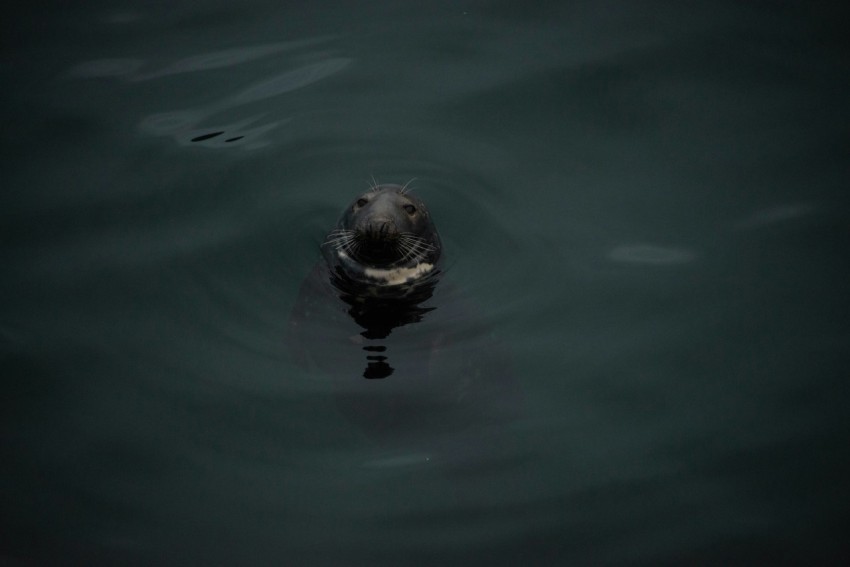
(361, 202)
(410, 209)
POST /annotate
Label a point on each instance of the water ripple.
(775, 215)
(129, 68)
(289, 81)
(227, 58)
(183, 124)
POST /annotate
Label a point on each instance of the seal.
(383, 257)
(383, 260)
(384, 244)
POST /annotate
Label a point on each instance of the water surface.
(644, 206)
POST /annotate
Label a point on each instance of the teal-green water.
(643, 206)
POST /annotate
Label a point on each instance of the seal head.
(384, 243)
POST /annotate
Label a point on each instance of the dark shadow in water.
(206, 136)
(378, 312)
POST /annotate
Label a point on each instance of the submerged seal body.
(429, 365)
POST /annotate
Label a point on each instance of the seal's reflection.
(378, 313)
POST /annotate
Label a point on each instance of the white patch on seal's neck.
(399, 276)
(396, 276)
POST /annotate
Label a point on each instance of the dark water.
(645, 206)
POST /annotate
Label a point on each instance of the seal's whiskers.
(413, 246)
(341, 239)
(404, 188)
(375, 186)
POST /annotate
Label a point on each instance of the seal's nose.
(380, 228)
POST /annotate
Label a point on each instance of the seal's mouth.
(377, 245)
(377, 242)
